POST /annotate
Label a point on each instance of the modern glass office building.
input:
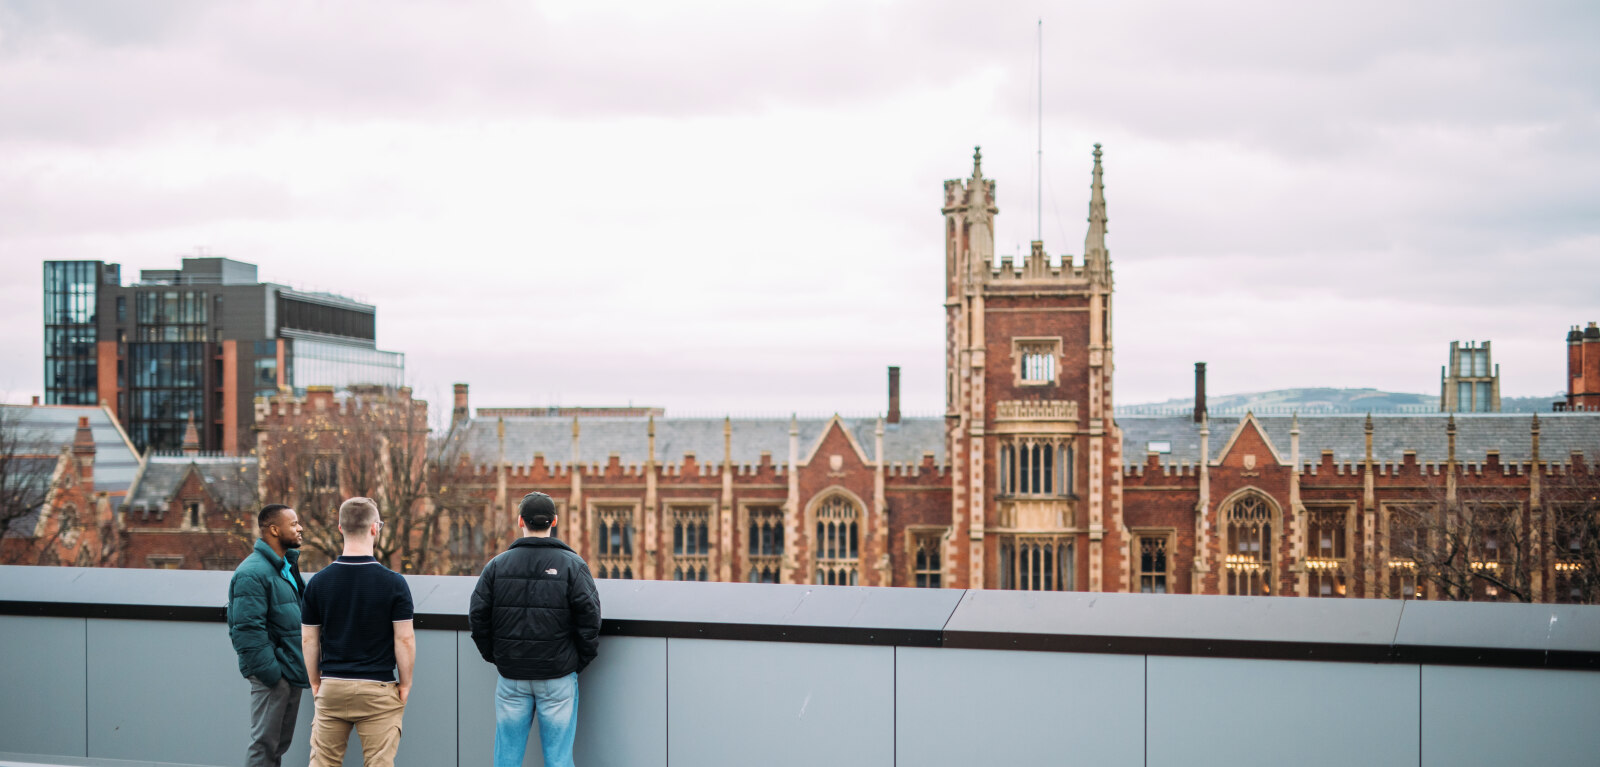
(200, 342)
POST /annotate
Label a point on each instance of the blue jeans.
(515, 701)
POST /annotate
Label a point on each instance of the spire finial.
(977, 162)
(1097, 262)
(1368, 426)
(191, 438)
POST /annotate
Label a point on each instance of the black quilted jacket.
(535, 613)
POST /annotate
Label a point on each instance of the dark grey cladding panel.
(1552, 628)
(1550, 636)
(1175, 624)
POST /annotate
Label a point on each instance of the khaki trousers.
(372, 708)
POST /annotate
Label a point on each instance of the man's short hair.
(356, 515)
(538, 511)
(269, 514)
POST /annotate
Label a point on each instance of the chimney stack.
(461, 412)
(1199, 392)
(83, 449)
(894, 394)
(35, 399)
(1583, 368)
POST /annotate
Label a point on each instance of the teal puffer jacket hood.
(264, 617)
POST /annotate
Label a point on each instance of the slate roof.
(1560, 434)
(231, 479)
(54, 426)
(629, 439)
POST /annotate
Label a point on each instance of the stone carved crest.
(1249, 462)
(835, 462)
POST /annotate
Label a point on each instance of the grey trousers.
(272, 714)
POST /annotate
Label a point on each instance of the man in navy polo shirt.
(360, 646)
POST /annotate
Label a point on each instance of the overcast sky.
(721, 206)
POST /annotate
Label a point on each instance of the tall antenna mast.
(1039, 192)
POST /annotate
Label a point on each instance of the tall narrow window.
(1249, 552)
(765, 553)
(838, 542)
(1037, 362)
(1577, 538)
(1036, 563)
(926, 570)
(1153, 571)
(1035, 466)
(614, 541)
(691, 543)
(1327, 561)
(1407, 548)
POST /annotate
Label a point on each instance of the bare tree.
(376, 444)
(1573, 503)
(27, 462)
(1477, 545)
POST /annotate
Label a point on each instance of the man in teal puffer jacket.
(264, 624)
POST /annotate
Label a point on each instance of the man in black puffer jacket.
(536, 616)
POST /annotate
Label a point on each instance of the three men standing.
(360, 646)
(264, 624)
(535, 615)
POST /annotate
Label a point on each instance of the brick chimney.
(83, 449)
(35, 399)
(1199, 392)
(461, 412)
(1583, 368)
(894, 394)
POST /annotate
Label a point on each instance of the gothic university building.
(1028, 480)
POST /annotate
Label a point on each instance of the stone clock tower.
(1034, 451)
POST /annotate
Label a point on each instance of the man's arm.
(405, 655)
(583, 600)
(480, 613)
(247, 615)
(311, 646)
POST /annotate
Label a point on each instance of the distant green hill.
(1324, 400)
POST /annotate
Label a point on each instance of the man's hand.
(315, 684)
(405, 655)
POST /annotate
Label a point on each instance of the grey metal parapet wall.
(1275, 628)
(136, 664)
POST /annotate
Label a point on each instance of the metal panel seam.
(947, 618)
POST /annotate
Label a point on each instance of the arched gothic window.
(1248, 522)
(765, 551)
(1036, 466)
(838, 542)
(1036, 563)
(614, 541)
(691, 543)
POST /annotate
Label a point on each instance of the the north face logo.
(551, 571)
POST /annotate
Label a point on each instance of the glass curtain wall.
(166, 388)
(318, 363)
(70, 375)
